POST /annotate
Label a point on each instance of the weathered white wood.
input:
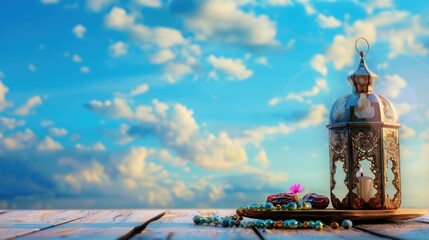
(100, 224)
(178, 224)
(399, 230)
(21, 222)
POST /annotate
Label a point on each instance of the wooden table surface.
(175, 224)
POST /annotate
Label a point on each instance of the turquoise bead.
(260, 223)
(291, 206)
(231, 223)
(311, 224)
(261, 206)
(253, 206)
(284, 207)
(347, 224)
(299, 205)
(268, 206)
(293, 223)
(202, 220)
(196, 219)
(285, 224)
(269, 223)
(225, 222)
(216, 219)
(209, 220)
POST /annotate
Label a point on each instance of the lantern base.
(333, 215)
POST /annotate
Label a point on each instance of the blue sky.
(186, 103)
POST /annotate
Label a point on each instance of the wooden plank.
(101, 224)
(398, 230)
(178, 224)
(22, 222)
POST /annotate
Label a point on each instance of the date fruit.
(318, 201)
(283, 198)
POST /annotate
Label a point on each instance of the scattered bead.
(196, 219)
(268, 206)
(278, 207)
(269, 223)
(299, 205)
(306, 224)
(291, 206)
(334, 225)
(284, 207)
(306, 206)
(293, 223)
(347, 224)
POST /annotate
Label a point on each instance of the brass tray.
(331, 215)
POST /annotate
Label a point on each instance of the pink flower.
(295, 188)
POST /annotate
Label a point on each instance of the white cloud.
(31, 67)
(328, 21)
(140, 89)
(164, 37)
(308, 7)
(177, 129)
(162, 56)
(18, 140)
(262, 61)
(49, 145)
(3, 91)
(174, 72)
(321, 84)
(118, 19)
(318, 63)
(96, 147)
(224, 21)
(46, 123)
(406, 132)
(392, 85)
(280, 2)
(262, 158)
(181, 190)
(149, 3)
(76, 58)
(382, 65)
(118, 108)
(316, 116)
(10, 123)
(98, 5)
(90, 174)
(118, 49)
(49, 1)
(216, 193)
(370, 5)
(79, 31)
(31, 103)
(85, 69)
(402, 108)
(133, 164)
(233, 67)
(58, 132)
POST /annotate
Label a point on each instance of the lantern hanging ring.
(367, 44)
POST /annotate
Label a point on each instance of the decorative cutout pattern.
(339, 111)
(364, 109)
(391, 153)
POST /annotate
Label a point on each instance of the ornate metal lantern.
(363, 131)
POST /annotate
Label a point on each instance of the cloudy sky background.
(186, 103)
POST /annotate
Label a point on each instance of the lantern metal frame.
(364, 126)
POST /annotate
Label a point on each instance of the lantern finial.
(362, 80)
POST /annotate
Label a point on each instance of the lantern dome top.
(363, 79)
(363, 108)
